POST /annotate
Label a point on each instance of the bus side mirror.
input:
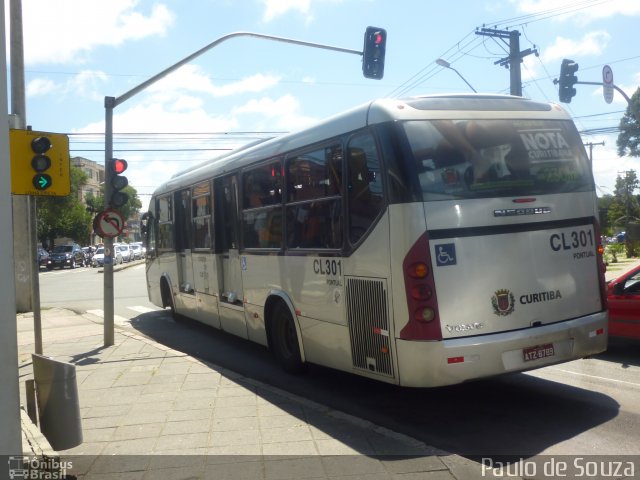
(144, 223)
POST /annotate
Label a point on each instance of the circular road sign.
(109, 223)
(607, 83)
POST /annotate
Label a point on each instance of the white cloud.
(84, 84)
(592, 43)
(280, 114)
(40, 86)
(64, 31)
(192, 78)
(277, 8)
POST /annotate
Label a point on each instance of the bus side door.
(186, 290)
(231, 293)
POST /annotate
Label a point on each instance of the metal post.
(112, 102)
(109, 103)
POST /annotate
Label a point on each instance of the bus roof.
(370, 113)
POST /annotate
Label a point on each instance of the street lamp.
(445, 64)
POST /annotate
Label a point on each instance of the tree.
(624, 209)
(64, 216)
(133, 204)
(629, 137)
(95, 204)
(604, 204)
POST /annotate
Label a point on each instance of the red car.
(623, 295)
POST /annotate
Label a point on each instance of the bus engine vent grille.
(368, 318)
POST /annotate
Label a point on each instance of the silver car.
(125, 251)
(98, 258)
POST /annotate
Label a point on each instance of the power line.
(550, 13)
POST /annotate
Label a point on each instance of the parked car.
(623, 296)
(136, 251)
(125, 251)
(98, 258)
(70, 256)
(44, 260)
(143, 249)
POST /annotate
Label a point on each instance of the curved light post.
(445, 64)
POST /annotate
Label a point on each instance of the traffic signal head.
(117, 182)
(567, 80)
(375, 44)
(39, 163)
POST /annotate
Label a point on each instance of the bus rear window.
(492, 158)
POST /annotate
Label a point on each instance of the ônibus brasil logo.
(503, 302)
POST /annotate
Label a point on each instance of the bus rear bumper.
(451, 361)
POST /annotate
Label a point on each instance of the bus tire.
(167, 300)
(284, 340)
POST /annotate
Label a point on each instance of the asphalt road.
(585, 407)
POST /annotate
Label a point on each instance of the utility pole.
(23, 205)
(11, 437)
(591, 145)
(25, 238)
(513, 61)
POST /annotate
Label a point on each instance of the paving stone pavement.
(148, 411)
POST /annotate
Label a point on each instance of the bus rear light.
(421, 292)
(595, 333)
(422, 305)
(424, 314)
(602, 268)
(418, 270)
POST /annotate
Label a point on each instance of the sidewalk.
(151, 412)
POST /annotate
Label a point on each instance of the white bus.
(422, 242)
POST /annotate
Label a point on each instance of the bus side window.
(261, 207)
(314, 211)
(201, 216)
(165, 223)
(364, 191)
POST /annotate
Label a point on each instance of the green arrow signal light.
(42, 181)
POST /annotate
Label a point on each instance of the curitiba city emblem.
(503, 302)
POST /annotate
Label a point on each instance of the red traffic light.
(373, 52)
(119, 166)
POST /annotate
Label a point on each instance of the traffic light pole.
(108, 241)
(112, 102)
(626, 97)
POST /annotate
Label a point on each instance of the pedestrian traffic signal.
(40, 163)
(375, 44)
(567, 80)
(116, 182)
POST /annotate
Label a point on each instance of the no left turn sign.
(109, 223)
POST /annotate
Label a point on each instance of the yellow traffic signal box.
(40, 163)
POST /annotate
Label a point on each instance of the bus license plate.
(538, 352)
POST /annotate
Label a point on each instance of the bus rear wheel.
(284, 340)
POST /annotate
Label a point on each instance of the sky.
(77, 52)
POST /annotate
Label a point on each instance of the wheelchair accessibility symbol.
(445, 254)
